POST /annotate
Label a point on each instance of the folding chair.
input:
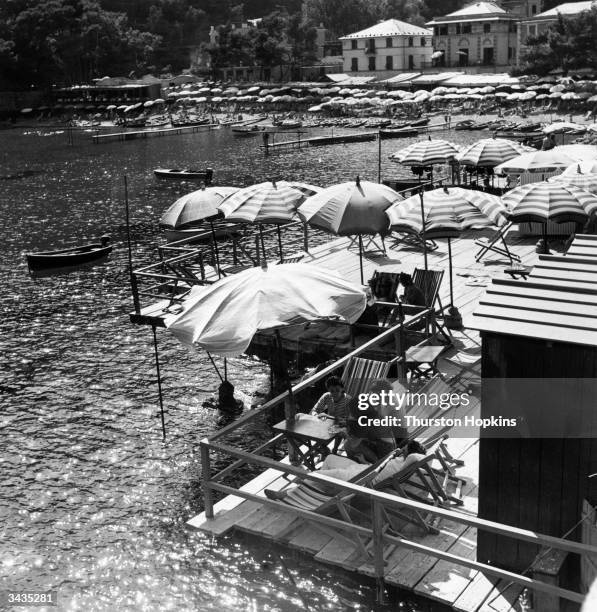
(412, 240)
(359, 373)
(469, 368)
(429, 282)
(491, 244)
(294, 258)
(367, 240)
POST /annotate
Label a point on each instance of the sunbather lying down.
(346, 469)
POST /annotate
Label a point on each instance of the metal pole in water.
(379, 155)
(157, 367)
(130, 249)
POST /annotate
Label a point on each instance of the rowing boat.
(72, 256)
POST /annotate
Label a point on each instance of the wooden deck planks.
(446, 581)
(475, 593)
(502, 598)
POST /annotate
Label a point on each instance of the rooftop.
(391, 27)
(567, 9)
(475, 12)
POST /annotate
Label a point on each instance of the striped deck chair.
(431, 485)
(429, 282)
(359, 373)
(492, 244)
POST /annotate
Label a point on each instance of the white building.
(388, 47)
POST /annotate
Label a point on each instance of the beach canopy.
(196, 206)
(538, 161)
(587, 182)
(583, 167)
(348, 209)
(426, 153)
(269, 202)
(548, 201)
(490, 152)
(223, 318)
(447, 212)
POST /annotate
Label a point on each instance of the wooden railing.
(213, 482)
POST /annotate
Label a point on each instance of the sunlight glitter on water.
(93, 503)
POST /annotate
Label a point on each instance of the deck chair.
(429, 282)
(468, 366)
(423, 482)
(294, 258)
(412, 240)
(368, 240)
(491, 244)
(359, 373)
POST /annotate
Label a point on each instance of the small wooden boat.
(250, 130)
(185, 174)
(404, 132)
(73, 256)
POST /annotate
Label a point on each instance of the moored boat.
(72, 256)
(185, 173)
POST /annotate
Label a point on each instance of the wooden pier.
(172, 131)
(440, 566)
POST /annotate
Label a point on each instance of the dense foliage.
(43, 42)
(568, 44)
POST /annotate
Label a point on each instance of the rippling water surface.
(92, 502)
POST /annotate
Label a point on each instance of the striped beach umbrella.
(269, 202)
(350, 209)
(426, 153)
(490, 152)
(587, 182)
(544, 201)
(445, 213)
(196, 206)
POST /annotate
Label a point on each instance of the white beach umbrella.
(588, 182)
(196, 206)
(223, 318)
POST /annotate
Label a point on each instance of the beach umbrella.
(111, 107)
(426, 153)
(148, 104)
(350, 209)
(587, 182)
(26, 111)
(562, 126)
(446, 213)
(490, 152)
(583, 167)
(222, 318)
(538, 161)
(546, 201)
(196, 206)
(269, 202)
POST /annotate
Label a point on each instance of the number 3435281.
(28, 598)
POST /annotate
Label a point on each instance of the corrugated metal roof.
(391, 27)
(477, 8)
(558, 300)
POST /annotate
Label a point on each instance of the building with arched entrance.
(481, 35)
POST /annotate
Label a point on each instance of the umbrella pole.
(280, 244)
(213, 363)
(423, 228)
(290, 408)
(453, 320)
(216, 251)
(361, 257)
(379, 155)
(450, 268)
(157, 367)
(262, 244)
(226, 365)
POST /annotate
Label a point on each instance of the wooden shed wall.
(536, 484)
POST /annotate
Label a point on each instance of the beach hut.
(539, 366)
